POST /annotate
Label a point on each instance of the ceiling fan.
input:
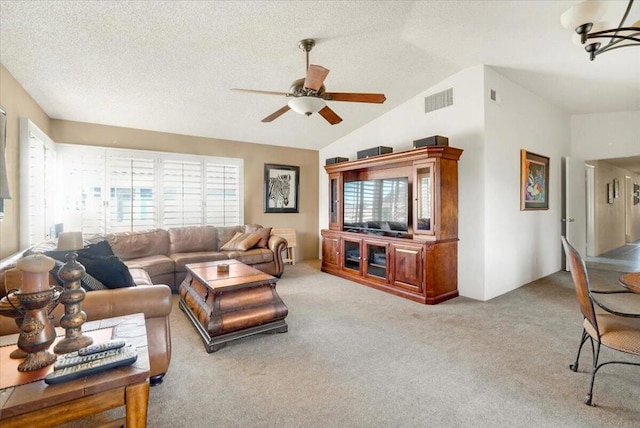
(308, 95)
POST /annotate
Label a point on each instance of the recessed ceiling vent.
(437, 101)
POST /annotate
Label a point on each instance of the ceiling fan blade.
(276, 114)
(255, 91)
(330, 115)
(357, 98)
(315, 77)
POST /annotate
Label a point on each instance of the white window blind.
(131, 193)
(113, 190)
(223, 201)
(37, 184)
(83, 176)
(183, 188)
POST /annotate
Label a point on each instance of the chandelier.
(584, 19)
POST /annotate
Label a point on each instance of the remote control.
(100, 347)
(125, 358)
(73, 359)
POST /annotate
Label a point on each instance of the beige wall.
(610, 218)
(254, 155)
(17, 103)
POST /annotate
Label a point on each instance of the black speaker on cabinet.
(331, 161)
(374, 151)
(435, 140)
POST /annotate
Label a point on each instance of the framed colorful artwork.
(534, 181)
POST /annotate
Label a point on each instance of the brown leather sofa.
(163, 253)
(154, 301)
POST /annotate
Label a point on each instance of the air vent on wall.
(437, 101)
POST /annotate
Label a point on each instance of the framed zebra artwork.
(281, 188)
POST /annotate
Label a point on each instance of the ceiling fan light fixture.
(306, 105)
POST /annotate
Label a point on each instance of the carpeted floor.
(358, 357)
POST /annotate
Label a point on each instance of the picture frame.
(281, 188)
(534, 181)
(609, 193)
(636, 194)
(616, 188)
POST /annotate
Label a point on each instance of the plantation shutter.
(131, 193)
(223, 204)
(183, 201)
(85, 197)
(38, 183)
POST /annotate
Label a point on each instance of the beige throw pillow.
(241, 242)
(263, 232)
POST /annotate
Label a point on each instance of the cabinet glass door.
(423, 222)
(352, 257)
(376, 260)
(333, 198)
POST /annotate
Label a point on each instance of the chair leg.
(596, 355)
(574, 366)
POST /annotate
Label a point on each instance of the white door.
(574, 216)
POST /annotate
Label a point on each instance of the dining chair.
(616, 330)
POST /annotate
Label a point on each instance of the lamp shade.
(582, 13)
(70, 241)
(306, 105)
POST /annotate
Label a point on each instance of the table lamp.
(72, 296)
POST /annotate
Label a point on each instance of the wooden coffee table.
(37, 404)
(226, 306)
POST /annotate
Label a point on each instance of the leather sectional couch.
(163, 253)
(156, 260)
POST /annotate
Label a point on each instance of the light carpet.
(358, 357)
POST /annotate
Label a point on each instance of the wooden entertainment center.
(419, 263)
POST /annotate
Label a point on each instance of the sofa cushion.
(192, 239)
(241, 242)
(252, 256)
(181, 259)
(224, 235)
(264, 233)
(154, 265)
(134, 245)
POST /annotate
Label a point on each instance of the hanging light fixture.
(584, 17)
(306, 105)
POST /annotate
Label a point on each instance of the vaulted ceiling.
(169, 65)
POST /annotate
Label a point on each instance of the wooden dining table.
(631, 281)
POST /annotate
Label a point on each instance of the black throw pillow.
(109, 270)
(88, 282)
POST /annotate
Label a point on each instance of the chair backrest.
(580, 281)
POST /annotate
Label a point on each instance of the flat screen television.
(376, 206)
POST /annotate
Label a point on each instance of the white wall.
(605, 135)
(520, 246)
(500, 248)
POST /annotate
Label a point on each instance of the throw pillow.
(109, 270)
(87, 282)
(241, 242)
(263, 232)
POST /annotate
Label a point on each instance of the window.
(37, 184)
(114, 190)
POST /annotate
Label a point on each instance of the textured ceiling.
(169, 65)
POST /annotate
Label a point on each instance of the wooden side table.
(42, 405)
(631, 281)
